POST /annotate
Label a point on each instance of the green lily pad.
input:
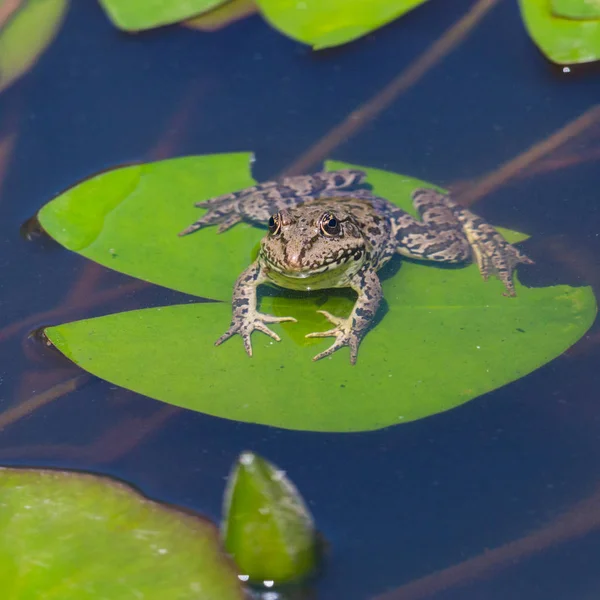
(25, 35)
(576, 9)
(75, 536)
(326, 23)
(267, 527)
(446, 338)
(128, 220)
(136, 15)
(562, 40)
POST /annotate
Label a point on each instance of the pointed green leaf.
(326, 23)
(267, 527)
(562, 40)
(81, 537)
(135, 15)
(446, 337)
(25, 34)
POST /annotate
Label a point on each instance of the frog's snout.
(295, 262)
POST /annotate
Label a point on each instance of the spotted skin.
(324, 235)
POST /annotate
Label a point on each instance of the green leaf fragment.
(326, 23)
(78, 537)
(563, 40)
(223, 15)
(25, 34)
(267, 527)
(136, 15)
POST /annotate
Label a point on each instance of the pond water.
(396, 505)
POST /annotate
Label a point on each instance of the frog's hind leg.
(438, 236)
(493, 254)
(257, 203)
(450, 233)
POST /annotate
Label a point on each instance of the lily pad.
(155, 201)
(562, 40)
(25, 32)
(446, 337)
(136, 15)
(326, 23)
(267, 527)
(75, 536)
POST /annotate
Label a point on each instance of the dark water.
(397, 504)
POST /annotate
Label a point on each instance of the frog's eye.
(274, 224)
(330, 225)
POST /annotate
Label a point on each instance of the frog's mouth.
(306, 272)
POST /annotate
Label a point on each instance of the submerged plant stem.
(8, 417)
(64, 308)
(357, 119)
(581, 519)
(7, 9)
(513, 167)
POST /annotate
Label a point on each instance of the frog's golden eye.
(330, 225)
(274, 224)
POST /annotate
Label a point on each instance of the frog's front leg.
(350, 331)
(246, 317)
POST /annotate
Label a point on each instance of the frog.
(326, 230)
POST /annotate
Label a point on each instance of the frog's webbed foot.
(493, 254)
(344, 334)
(252, 321)
(257, 203)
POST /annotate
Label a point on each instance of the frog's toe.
(492, 253)
(340, 342)
(229, 222)
(260, 326)
(335, 346)
(338, 321)
(210, 218)
(344, 337)
(245, 335)
(273, 319)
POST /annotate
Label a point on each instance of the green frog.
(324, 232)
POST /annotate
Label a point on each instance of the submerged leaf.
(135, 15)
(562, 40)
(26, 28)
(74, 536)
(326, 23)
(267, 527)
(445, 338)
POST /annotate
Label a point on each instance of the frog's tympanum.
(322, 235)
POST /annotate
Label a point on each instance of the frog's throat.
(338, 276)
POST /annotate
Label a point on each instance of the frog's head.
(313, 246)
